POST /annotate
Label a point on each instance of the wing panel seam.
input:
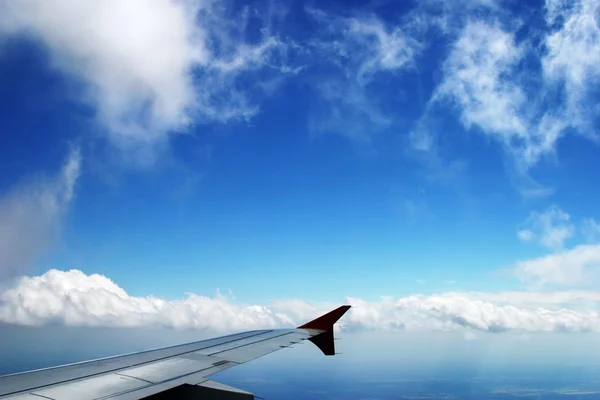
(134, 377)
(158, 383)
(39, 395)
(248, 344)
(123, 368)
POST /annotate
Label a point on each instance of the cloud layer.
(31, 215)
(74, 298)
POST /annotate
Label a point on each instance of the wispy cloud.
(346, 109)
(488, 80)
(590, 229)
(550, 228)
(150, 68)
(364, 46)
(30, 217)
(479, 80)
(572, 62)
(360, 50)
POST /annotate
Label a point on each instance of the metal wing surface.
(171, 372)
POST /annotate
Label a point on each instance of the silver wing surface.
(171, 372)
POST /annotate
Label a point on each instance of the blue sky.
(300, 155)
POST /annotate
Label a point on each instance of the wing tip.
(326, 321)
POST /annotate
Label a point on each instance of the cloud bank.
(31, 215)
(76, 299)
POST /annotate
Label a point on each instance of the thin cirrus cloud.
(590, 230)
(359, 50)
(149, 68)
(31, 214)
(75, 299)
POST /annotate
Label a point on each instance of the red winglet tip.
(325, 322)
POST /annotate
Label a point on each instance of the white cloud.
(550, 228)
(31, 215)
(479, 78)
(73, 298)
(526, 235)
(361, 49)
(573, 60)
(148, 68)
(583, 300)
(481, 57)
(575, 267)
(365, 46)
(348, 110)
(591, 230)
(484, 76)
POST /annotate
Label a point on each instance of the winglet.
(324, 340)
(325, 322)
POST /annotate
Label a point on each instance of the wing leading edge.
(171, 372)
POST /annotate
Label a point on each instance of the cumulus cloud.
(574, 267)
(583, 300)
(31, 215)
(550, 228)
(74, 298)
(149, 68)
(455, 311)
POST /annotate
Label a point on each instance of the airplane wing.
(170, 372)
